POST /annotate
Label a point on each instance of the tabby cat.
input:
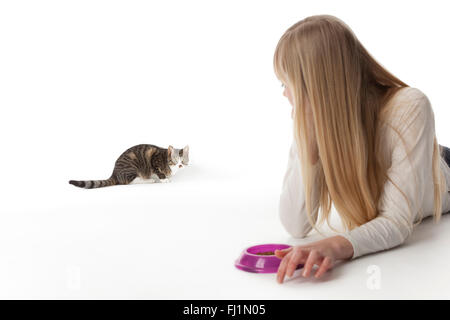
(141, 164)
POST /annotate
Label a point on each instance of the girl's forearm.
(342, 247)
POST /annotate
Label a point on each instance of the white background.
(81, 81)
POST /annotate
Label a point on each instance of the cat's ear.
(170, 150)
(186, 149)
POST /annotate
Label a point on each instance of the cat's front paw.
(166, 180)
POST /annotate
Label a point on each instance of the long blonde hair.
(322, 62)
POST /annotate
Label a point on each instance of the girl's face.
(288, 95)
(309, 122)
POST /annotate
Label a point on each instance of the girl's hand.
(324, 253)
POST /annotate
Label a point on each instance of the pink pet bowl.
(259, 258)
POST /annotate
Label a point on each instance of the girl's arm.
(394, 223)
(292, 208)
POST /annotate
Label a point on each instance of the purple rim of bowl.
(250, 261)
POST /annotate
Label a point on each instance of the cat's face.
(178, 158)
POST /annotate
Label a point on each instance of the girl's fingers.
(282, 253)
(296, 259)
(282, 268)
(326, 264)
(312, 259)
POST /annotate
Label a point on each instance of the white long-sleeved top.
(410, 112)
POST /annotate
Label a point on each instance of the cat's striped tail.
(90, 184)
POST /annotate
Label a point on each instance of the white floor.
(179, 241)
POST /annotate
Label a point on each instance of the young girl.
(363, 140)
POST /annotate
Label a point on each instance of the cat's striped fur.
(143, 161)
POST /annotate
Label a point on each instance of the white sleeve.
(292, 207)
(393, 225)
